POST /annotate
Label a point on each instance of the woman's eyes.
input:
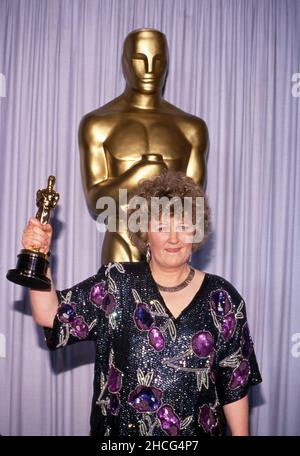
(179, 228)
(184, 227)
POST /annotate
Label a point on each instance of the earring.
(148, 253)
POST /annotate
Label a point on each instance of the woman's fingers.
(34, 222)
(37, 232)
(47, 229)
(34, 241)
(37, 235)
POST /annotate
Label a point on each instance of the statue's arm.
(54, 201)
(197, 162)
(96, 181)
(39, 196)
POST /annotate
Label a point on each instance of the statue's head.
(145, 60)
(51, 181)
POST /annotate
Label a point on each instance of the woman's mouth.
(173, 250)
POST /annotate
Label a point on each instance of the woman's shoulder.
(125, 267)
(219, 283)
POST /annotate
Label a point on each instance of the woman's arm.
(44, 303)
(237, 416)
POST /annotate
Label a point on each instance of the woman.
(173, 351)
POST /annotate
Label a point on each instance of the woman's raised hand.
(37, 236)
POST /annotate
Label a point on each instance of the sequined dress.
(156, 374)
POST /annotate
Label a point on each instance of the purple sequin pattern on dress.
(142, 317)
(220, 302)
(155, 375)
(66, 312)
(207, 418)
(202, 344)
(114, 403)
(145, 398)
(97, 294)
(114, 380)
(169, 421)
(228, 326)
(247, 344)
(240, 375)
(109, 303)
(156, 338)
(79, 328)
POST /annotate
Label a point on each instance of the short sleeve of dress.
(237, 368)
(79, 309)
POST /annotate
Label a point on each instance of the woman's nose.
(173, 236)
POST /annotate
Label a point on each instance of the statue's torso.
(115, 137)
(133, 135)
(127, 133)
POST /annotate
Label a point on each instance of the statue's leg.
(117, 248)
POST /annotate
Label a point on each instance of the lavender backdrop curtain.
(231, 63)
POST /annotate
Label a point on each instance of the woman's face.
(170, 240)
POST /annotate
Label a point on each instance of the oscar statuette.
(32, 264)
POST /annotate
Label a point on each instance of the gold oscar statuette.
(32, 264)
(138, 135)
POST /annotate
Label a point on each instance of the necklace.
(181, 285)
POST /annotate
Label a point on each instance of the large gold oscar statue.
(137, 135)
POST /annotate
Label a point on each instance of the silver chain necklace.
(181, 285)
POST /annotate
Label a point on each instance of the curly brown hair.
(175, 186)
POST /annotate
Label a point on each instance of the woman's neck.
(168, 276)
